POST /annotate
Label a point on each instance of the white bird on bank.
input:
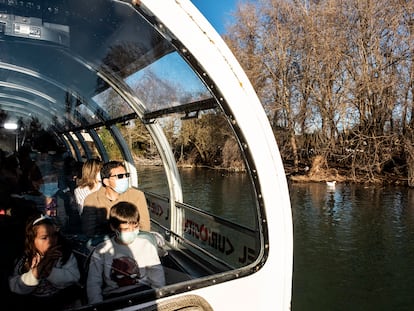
(331, 183)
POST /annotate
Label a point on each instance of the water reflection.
(352, 247)
(229, 195)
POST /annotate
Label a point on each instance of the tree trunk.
(409, 150)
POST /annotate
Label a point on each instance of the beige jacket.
(96, 211)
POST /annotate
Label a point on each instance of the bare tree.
(339, 71)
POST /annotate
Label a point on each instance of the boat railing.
(212, 239)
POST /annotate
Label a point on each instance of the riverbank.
(319, 172)
(342, 175)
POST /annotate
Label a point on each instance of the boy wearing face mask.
(126, 263)
(115, 188)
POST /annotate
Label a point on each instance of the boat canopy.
(69, 72)
(134, 80)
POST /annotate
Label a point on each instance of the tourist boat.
(110, 78)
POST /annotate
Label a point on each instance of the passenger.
(52, 188)
(42, 186)
(115, 182)
(54, 201)
(68, 215)
(31, 175)
(71, 173)
(11, 173)
(11, 231)
(50, 163)
(89, 182)
(126, 263)
(45, 277)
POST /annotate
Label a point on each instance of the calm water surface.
(353, 245)
(353, 248)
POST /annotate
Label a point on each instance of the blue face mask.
(121, 185)
(33, 156)
(126, 237)
(49, 189)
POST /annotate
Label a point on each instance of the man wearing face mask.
(115, 188)
(127, 262)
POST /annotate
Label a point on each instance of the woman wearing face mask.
(115, 188)
(126, 263)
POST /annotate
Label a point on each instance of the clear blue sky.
(217, 12)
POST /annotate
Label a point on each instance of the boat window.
(204, 130)
(106, 82)
(84, 143)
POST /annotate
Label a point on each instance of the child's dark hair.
(30, 251)
(123, 213)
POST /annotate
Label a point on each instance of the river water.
(353, 245)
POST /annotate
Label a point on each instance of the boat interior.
(108, 80)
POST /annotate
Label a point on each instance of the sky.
(217, 12)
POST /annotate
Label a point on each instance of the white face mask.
(121, 185)
(126, 237)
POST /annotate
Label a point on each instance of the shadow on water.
(353, 247)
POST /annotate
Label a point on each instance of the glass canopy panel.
(28, 96)
(166, 83)
(90, 113)
(112, 105)
(118, 42)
